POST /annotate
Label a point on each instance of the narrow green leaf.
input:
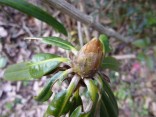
(46, 92)
(103, 110)
(32, 10)
(44, 63)
(108, 97)
(78, 113)
(105, 85)
(76, 101)
(110, 63)
(110, 93)
(56, 105)
(18, 71)
(109, 104)
(93, 92)
(149, 62)
(104, 40)
(141, 56)
(61, 104)
(147, 59)
(56, 41)
(92, 89)
(141, 43)
(43, 56)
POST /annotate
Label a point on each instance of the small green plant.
(82, 70)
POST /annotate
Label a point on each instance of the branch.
(70, 10)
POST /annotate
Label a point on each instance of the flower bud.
(88, 60)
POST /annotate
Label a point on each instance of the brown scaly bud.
(88, 60)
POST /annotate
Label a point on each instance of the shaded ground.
(134, 85)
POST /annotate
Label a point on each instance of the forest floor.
(134, 85)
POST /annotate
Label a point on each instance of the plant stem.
(70, 10)
(73, 84)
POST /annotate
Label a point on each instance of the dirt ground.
(134, 85)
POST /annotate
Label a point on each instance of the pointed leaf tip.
(32, 10)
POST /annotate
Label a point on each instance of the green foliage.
(76, 102)
(93, 93)
(36, 12)
(56, 41)
(67, 101)
(147, 59)
(141, 43)
(109, 105)
(46, 92)
(61, 103)
(104, 40)
(9, 105)
(40, 65)
(108, 90)
(133, 15)
(78, 113)
(43, 64)
(110, 63)
(17, 72)
(55, 108)
(103, 110)
(59, 42)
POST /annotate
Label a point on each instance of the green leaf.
(76, 101)
(103, 110)
(104, 40)
(56, 41)
(56, 105)
(148, 59)
(46, 92)
(109, 104)
(42, 56)
(18, 71)
(61, 103)
(77, 113)
(141, 43)
(107, 88)
(149, 62)
(122, 93)
(44, 63)
(151, 20)
(9, 105)
(110, 63)
(93, 92)
(108, 98)
(34, 69)
(36, 12)
(141, 56)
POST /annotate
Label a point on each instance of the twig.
(86, 31)
(129, 56)
(69, 9)
(10, 59)
(9, 24)
(27, 30)
(109, 5)
(79, 28)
